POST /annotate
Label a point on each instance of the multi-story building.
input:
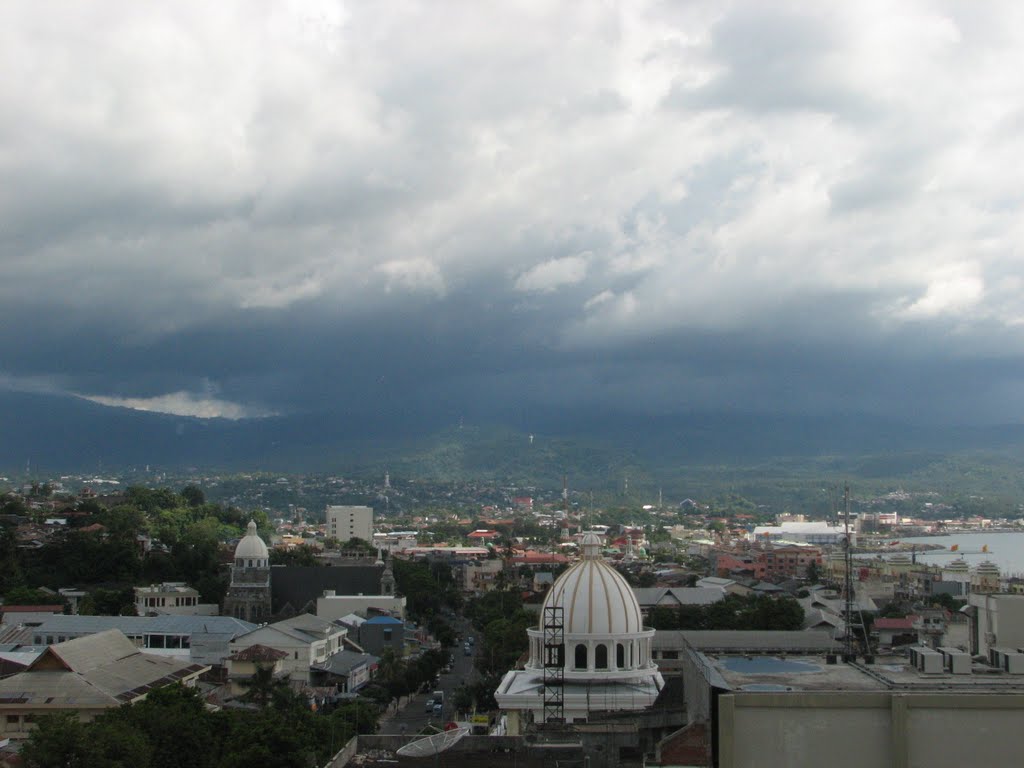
(775, 708)
(174, 598)
(350, 522)
(789, 561)
(306, 640)
(996, 621)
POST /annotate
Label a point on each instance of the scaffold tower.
(554, 664)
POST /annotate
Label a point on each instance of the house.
(731, 586)
(244, 664)
(895, 631)
(332, 606)
(87, 676)
(479, 576)
(675, 597)
(306, 639)
(348, 671)
(381, 632)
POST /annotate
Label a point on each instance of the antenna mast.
(848, 650)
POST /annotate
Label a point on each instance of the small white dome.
(594, 597)
(251, 547)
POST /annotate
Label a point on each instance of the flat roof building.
(933, 707)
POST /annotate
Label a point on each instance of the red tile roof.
(31, 608)
(258, 653)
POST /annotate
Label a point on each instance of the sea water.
(1004, 549)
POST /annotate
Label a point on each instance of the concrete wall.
(1001, 616)
(858, 729)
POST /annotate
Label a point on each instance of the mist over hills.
(598, 449)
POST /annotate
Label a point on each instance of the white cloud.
(553, 274)
(707, 166)
(182, 404)
(413, 275)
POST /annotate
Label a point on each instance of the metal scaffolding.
(554, 664)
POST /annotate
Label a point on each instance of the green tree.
(26, 596)
(193, 495)
(57, 741)
(300, 555)
(262, 685)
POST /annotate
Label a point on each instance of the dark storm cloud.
(504, 210)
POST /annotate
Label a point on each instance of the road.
(413, 716)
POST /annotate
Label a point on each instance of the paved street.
(412, 714)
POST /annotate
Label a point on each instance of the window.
(601, 657)
(581, 657)
(620, 655)
(13, 719)
(387, 635)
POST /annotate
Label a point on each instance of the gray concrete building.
(931, 708)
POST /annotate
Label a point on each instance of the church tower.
(248, 597)
(387, 578)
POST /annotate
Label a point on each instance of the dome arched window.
(620, 656)
(580, 660)
(601, 657)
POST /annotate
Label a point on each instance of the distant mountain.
(64, 434)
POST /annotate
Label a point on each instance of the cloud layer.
(652, 206)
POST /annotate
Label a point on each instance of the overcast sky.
(241, 208)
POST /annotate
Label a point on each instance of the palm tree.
(261, 687)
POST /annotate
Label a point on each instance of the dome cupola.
(600, 618)
(251, 551)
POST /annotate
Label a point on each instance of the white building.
(997, 621)
(606, 653)
(395, 541)
(333, 606)
(305, 639)
(816, 532)
(173, 598)
(348, 522)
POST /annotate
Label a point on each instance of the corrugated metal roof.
(91, 651)
(139, 625)
(102, 675)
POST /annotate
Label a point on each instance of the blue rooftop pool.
(766, 665)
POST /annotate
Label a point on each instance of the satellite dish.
(433, 745)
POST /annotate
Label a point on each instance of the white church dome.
(251, 547)
(594, 597)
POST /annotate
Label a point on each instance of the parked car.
(438, 710)
(430, 706)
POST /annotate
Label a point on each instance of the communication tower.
(852, 615)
